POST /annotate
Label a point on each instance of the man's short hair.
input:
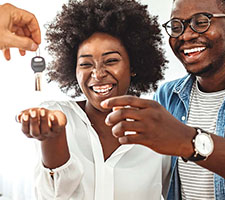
(220, 4)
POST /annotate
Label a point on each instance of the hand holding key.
(41, 123)
(38, 66)
(18, 28)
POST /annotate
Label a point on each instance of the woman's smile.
(103, 68)
(102, 90)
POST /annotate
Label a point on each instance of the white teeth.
(197, 49)
(102, 89)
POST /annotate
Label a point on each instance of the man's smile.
(192, 54)
(193, 51)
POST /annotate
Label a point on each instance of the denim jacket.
(174, 96)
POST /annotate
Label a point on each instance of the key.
(38, 66)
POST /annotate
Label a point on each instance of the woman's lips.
(102, 89)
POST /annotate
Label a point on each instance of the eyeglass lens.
(199, 23)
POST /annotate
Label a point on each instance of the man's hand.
(18, 28)
(155, 127)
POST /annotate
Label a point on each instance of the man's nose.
(189, 34)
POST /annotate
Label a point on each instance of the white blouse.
(132, 172)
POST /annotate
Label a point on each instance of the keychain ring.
(39, 52)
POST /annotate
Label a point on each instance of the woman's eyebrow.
(104, 54)
(111, 52)
(85, 55)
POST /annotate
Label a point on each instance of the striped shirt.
(197, 183)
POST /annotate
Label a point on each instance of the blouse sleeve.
(62, 183)
(166, 173)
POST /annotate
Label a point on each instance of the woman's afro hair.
(127, 20)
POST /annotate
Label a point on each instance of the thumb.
(21, 42)
(61, 117)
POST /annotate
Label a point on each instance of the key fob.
(38, 64)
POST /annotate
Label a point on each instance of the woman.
(102, 49)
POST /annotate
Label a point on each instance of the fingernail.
(33, 113)
(42, 113)
(117, 108)
(51, 117)
(104, 103)
(25, 117)
(107, 121)
(122, 140)
(34, 47)
(8, 58)
(23, 53)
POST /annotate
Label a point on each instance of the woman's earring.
(133, 74)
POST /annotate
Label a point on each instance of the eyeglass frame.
(188, 22)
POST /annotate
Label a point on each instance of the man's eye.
(176, 28)
(201, 23)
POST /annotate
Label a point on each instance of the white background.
(17, 93)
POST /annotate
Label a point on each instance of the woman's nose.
(99, 72)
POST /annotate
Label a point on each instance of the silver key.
(38, 66)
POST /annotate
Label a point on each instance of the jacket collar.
(184, 85)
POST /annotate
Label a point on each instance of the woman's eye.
(111, 61)
(85, 65)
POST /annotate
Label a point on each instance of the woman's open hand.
(41, 123)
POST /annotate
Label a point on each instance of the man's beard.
(203, 71)
(212, 68)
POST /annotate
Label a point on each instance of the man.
(197, 37)
(18, 28)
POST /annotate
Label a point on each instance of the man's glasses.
(199, 23)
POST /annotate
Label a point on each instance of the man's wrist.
(187, 147)
(203, 146)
